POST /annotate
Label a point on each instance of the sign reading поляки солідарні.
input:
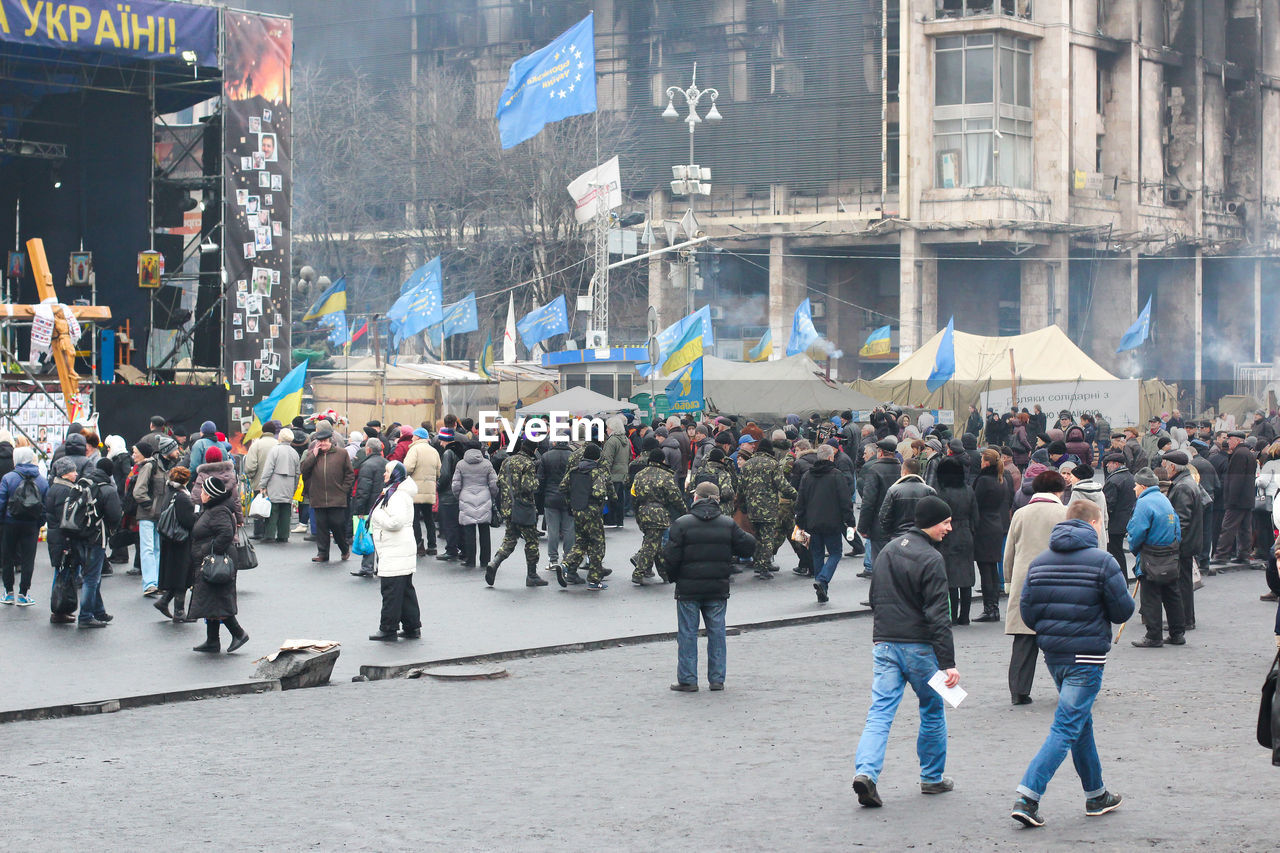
(1116, 400)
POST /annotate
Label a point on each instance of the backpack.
(25, 503)
(81, 518)
(579, 489)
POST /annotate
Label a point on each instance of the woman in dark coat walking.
(992, 500)
(175, 554)
(213, 534)
(957, 547)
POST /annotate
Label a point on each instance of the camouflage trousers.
(766, 536)
(514, 532)
(650, 553)
(588, 531)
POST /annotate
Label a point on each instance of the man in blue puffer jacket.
(1074, 592)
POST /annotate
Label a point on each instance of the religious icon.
(80, 272)
(17, 264)
(150, 268)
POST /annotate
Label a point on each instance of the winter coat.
(657, 499)
(109, 509)
(391, 526)
(1118, 493)
(175, 555)
(699, 552)
(1209, 477)
(1184, 497)
(1135, 456)
(1021, 445)
(957, 548)
(1149, 441)
(1091, 490)
(449, 460)
(279, 476)
(1074, 593)
(327, 477)
(1154, 523)
(226, 471)
(844, 465)
(803, 464)
(76, 449)
(148, 487)
(877, 477)
(195, 457)
(401, 448)
(422, 463)
(1238, 489)
(1078, 445)
(992, 502)
(10, 481)
(762, 485)
(898, 512)
(670, 449)
(615, 456)
(256, 457)
(909, 598)
(369, 483)
(550, 469)
(1028, 537)
(214, 530)
(476, 487)
(824, 501)
(55, 499)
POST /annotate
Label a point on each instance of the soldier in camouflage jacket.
(658, 502)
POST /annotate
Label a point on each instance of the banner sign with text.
(1116, 400)
(257, 148)
(141, 29)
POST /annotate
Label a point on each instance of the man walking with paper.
(1073, 594)
(912, 636)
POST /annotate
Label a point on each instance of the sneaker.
(863, 574)
(942, 786)
(573, 578)
(24, 600)
(1103, 803)
(1027, 812)
(764, 575)
(801, 571)
(597, 586)
(92, 623)
(8, 598)
(151, 590)
(1148, 643)
(866, 791)
(821, 589)
(300, 528)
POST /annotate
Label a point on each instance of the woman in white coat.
(391, 525)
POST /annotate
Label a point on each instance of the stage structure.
(149, 146)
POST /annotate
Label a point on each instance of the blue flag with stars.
(460, 317)
(339, 331)
(418, 307)
(550, 84)
(542, 323)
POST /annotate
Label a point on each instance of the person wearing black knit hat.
(587, 487)
(911, 631)
(213, 533)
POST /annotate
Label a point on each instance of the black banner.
(257, 147)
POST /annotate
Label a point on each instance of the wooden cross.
(63, 346)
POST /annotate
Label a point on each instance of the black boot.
(989, 614)
(211, 643)
(179, 610)
(238, 634)
(532, 579)
(162, 604)
(966, 599)
(491, 570)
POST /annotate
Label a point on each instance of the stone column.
(917, 294)
(1044, 287)
(787, 289)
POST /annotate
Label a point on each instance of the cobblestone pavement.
(288, 596)
(592, 752)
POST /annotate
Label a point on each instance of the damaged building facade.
(1011, 163)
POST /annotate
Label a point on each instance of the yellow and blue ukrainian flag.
(762, 350)
(485, 366)
(283, 404)
(686, 350)
(877, 343)
(332, 300)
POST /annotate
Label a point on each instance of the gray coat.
(476, 485)
(280, 474)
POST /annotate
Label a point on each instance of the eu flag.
(1139, 331)
(424, 273)
(550, 84)
(803, 333)
(339, 331)
(542, 323)
(944, 362)
(460, 317)
(419, 307)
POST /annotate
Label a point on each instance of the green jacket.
(763, 486)
(615, 456)
(658, 500)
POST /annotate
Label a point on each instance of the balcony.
(948, 9)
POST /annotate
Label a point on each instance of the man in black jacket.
(898, 512)
(1199, 453)
(549, 469)
(1118, 492)
(824, 508)
(912, 635)
(369, 482)
(1236, 539)
(1184, 494)
(699, 558)
(876, 478)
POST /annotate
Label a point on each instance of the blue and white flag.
(339, 331)
(419, 307)
(1138, 333)
(542, 323)
(550, 84)
(460, 317)
(803, 332)
(426, 272)
(944, 362)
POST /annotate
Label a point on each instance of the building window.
(982, 126)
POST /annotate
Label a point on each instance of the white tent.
(772, 389)
(577, 401)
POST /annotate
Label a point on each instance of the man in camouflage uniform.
(518, 482)
(658, 502)
(717, 469)
(762, 486)
(587, 487)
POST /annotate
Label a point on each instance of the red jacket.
(401, 448)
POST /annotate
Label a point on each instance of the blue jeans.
(827, 547)
(712, 612)
(868, 555)
(894, 665)
(149, 551)
(1072, 731)
(91, 557)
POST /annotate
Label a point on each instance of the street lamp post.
(690, 179)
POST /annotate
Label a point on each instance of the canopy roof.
(773, 389)
(1045, 355)
(577, 401)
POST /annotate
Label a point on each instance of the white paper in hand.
(952, 695)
